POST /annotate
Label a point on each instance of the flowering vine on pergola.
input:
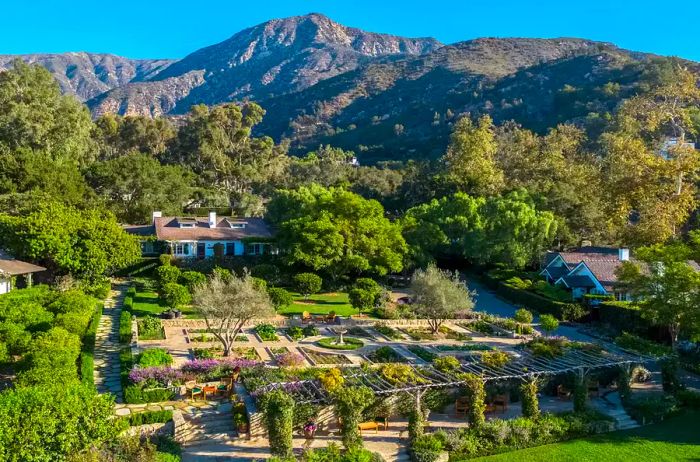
(524, 365)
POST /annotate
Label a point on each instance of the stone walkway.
(107, 370)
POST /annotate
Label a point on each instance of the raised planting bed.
(203, 338)
(385, 354)
(217, 352)
(444, 332)
(349, 343)
(150, 328)
(465, 347)
(322, 358)
(359, 332)
(266, 332)
(388, 332)
(275, 351)
(422, 353)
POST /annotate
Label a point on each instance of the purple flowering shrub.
(214, 369)
(290, 360)
(155, 377)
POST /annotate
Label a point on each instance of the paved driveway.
(488, 302)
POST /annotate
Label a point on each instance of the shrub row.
(125, 327)
(529, 300)
(87, 354)
(623, 316)
(134, 394)
(149, 417)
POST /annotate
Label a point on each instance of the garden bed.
(388, 332)
(349, 343)
(322, 358)
(385, 354)
(217, 352)
(422, 353)
(150, 328)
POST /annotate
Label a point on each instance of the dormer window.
(186, 222)
(236, 224)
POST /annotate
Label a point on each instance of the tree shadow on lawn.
(150, 300)
(682, 430)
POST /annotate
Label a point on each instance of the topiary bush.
(168, 274)
(426, 448)
(190, 279)
(308, 283)
(175, 295)
(279, 297)
(154, 357)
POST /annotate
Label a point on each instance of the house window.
(182, 249)
(256, 249)
(186, 225)
(230, 248)
(621, 296)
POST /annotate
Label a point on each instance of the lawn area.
(676, 439)
(320, 304)
(148, 303)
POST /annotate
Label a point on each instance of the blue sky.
(173, 28)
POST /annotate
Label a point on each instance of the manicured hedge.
(128, 304)
(623, 316)
(530, 300)
(134, 394)
(87, 354)
(125, 327)
(149, 417)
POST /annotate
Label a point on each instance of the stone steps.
(207, 425)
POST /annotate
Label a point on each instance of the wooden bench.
(369, 426)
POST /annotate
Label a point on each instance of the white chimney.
(157, 214)
(212, 219)
(624, 254)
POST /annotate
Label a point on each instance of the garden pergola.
(523, 366)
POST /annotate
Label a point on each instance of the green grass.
(149, 303)
(349, 343)
(676, 439)
(320, 304)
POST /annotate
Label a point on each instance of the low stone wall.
(151, 430)
(286, 322)
(179, 426)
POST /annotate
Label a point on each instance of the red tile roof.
(168, 229)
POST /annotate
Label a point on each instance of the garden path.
(107, 369)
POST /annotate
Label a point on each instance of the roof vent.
(212, 219)
(623, 254)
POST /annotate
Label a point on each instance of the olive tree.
(226, 305)
(439, 296)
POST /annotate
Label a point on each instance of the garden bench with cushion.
(225, 387)
(194, 389)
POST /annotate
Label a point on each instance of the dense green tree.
(176, 295)
(53, 422)
(668, 291)
(35, 115)
(85, 243)
(438, 296)
(469, 162)
(118, 136)
(336, 231)
(136, 184)
(216, 143)
(506, 229)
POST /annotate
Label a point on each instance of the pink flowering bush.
(214, 369)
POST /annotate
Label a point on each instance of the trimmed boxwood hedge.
(87, 354)
(149, 417)
(125, 327)
(133, 394)
(530, 300)
(350, 343)
(623, 316)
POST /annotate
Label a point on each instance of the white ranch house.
(203, 237)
